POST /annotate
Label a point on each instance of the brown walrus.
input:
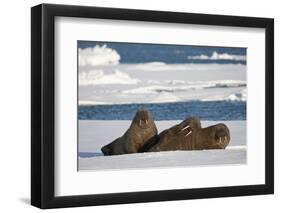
(141, 131)
(188, 135)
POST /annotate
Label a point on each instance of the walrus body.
(188, 135)
(141, 131)
(170, 139)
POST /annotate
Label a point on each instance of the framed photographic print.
(139, 106)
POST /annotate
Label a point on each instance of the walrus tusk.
(185, 128)
(188, 133)
(146, 121)
(225, 138)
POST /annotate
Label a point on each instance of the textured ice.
(161, 83)
(220, 56)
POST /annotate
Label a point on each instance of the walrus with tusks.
(141, 131)
(189, 135)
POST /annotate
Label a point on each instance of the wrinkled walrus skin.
(141, 131)
(181, 130)
(188, 135)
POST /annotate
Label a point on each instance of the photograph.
(152, 105)
(139, 105)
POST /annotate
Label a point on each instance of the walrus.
(189, 135)
(141, 131)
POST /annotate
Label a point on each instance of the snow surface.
(93, 134)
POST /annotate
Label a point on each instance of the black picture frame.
(43, 101)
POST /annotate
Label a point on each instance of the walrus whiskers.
(185, 128)
(188, 133)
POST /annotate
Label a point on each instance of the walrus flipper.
(107, 149)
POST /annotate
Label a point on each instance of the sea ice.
(93, 134)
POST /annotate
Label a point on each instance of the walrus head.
(143, 119)
(189, 125)
(212, 137)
